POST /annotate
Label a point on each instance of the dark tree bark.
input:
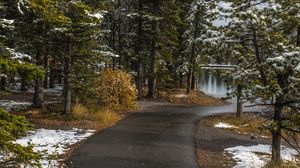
(3, 83)
(193, 82)
(24, 84)
(282, 80)
(67, 82)
(38, 96)
(188, 82)
(152, 70)
(191, 72)
(239, 109)
(138, 53)
(258, 56)
(180, 80)
(46, 67)
(298, 36)
(276, 134)
(52, 79)
(120, 45)
(113, 40)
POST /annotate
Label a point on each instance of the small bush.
(114, 89)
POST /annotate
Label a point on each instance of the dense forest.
(163, 44)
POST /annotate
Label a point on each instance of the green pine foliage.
(29, 71)
(14, 155)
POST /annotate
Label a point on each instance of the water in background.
(216, 86)
(212, 84)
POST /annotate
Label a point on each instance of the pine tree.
(200, 17)
(267, 58)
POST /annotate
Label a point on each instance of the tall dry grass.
(104, 115)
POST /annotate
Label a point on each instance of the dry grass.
(285, 164)
(210, 158)
(179, 96)
(81, 117)
(102, 115)
(247, 124)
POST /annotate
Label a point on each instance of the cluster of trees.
(159, 42)
(262, 38)
(162, 43)
(47, 39)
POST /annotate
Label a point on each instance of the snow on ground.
(257, 156)
(10, 105)
(56, 90)
(224, 125)
(53, 142)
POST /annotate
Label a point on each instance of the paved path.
(162, 137)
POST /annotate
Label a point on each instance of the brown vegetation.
(179, 96)
(247, 124)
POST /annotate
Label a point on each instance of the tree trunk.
(3, 83)
(138, 53)
(120, 45)
(258, 56)
(52, 79)
(24, 84)
(152, 71)
(46, 67)
(67, 82)
(188, 82)
(298, 36)
(38, 97)
(113, 41)
(191, 79)
(276, 134)
(239, 109)
(180, 80)
(193, 82)
(140, 80)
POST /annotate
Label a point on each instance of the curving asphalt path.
(160, 137)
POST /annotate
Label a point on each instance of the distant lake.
(212, 84)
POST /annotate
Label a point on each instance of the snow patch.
(56, 90)
(10, 105)
(97, 15)
(17, 55)
(257, 156)
(53, 142)
(224, 125)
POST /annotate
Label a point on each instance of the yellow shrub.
(114, 89)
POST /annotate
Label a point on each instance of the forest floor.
(211, 142)
(179, 96)
(50, 117)
(222, 142)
